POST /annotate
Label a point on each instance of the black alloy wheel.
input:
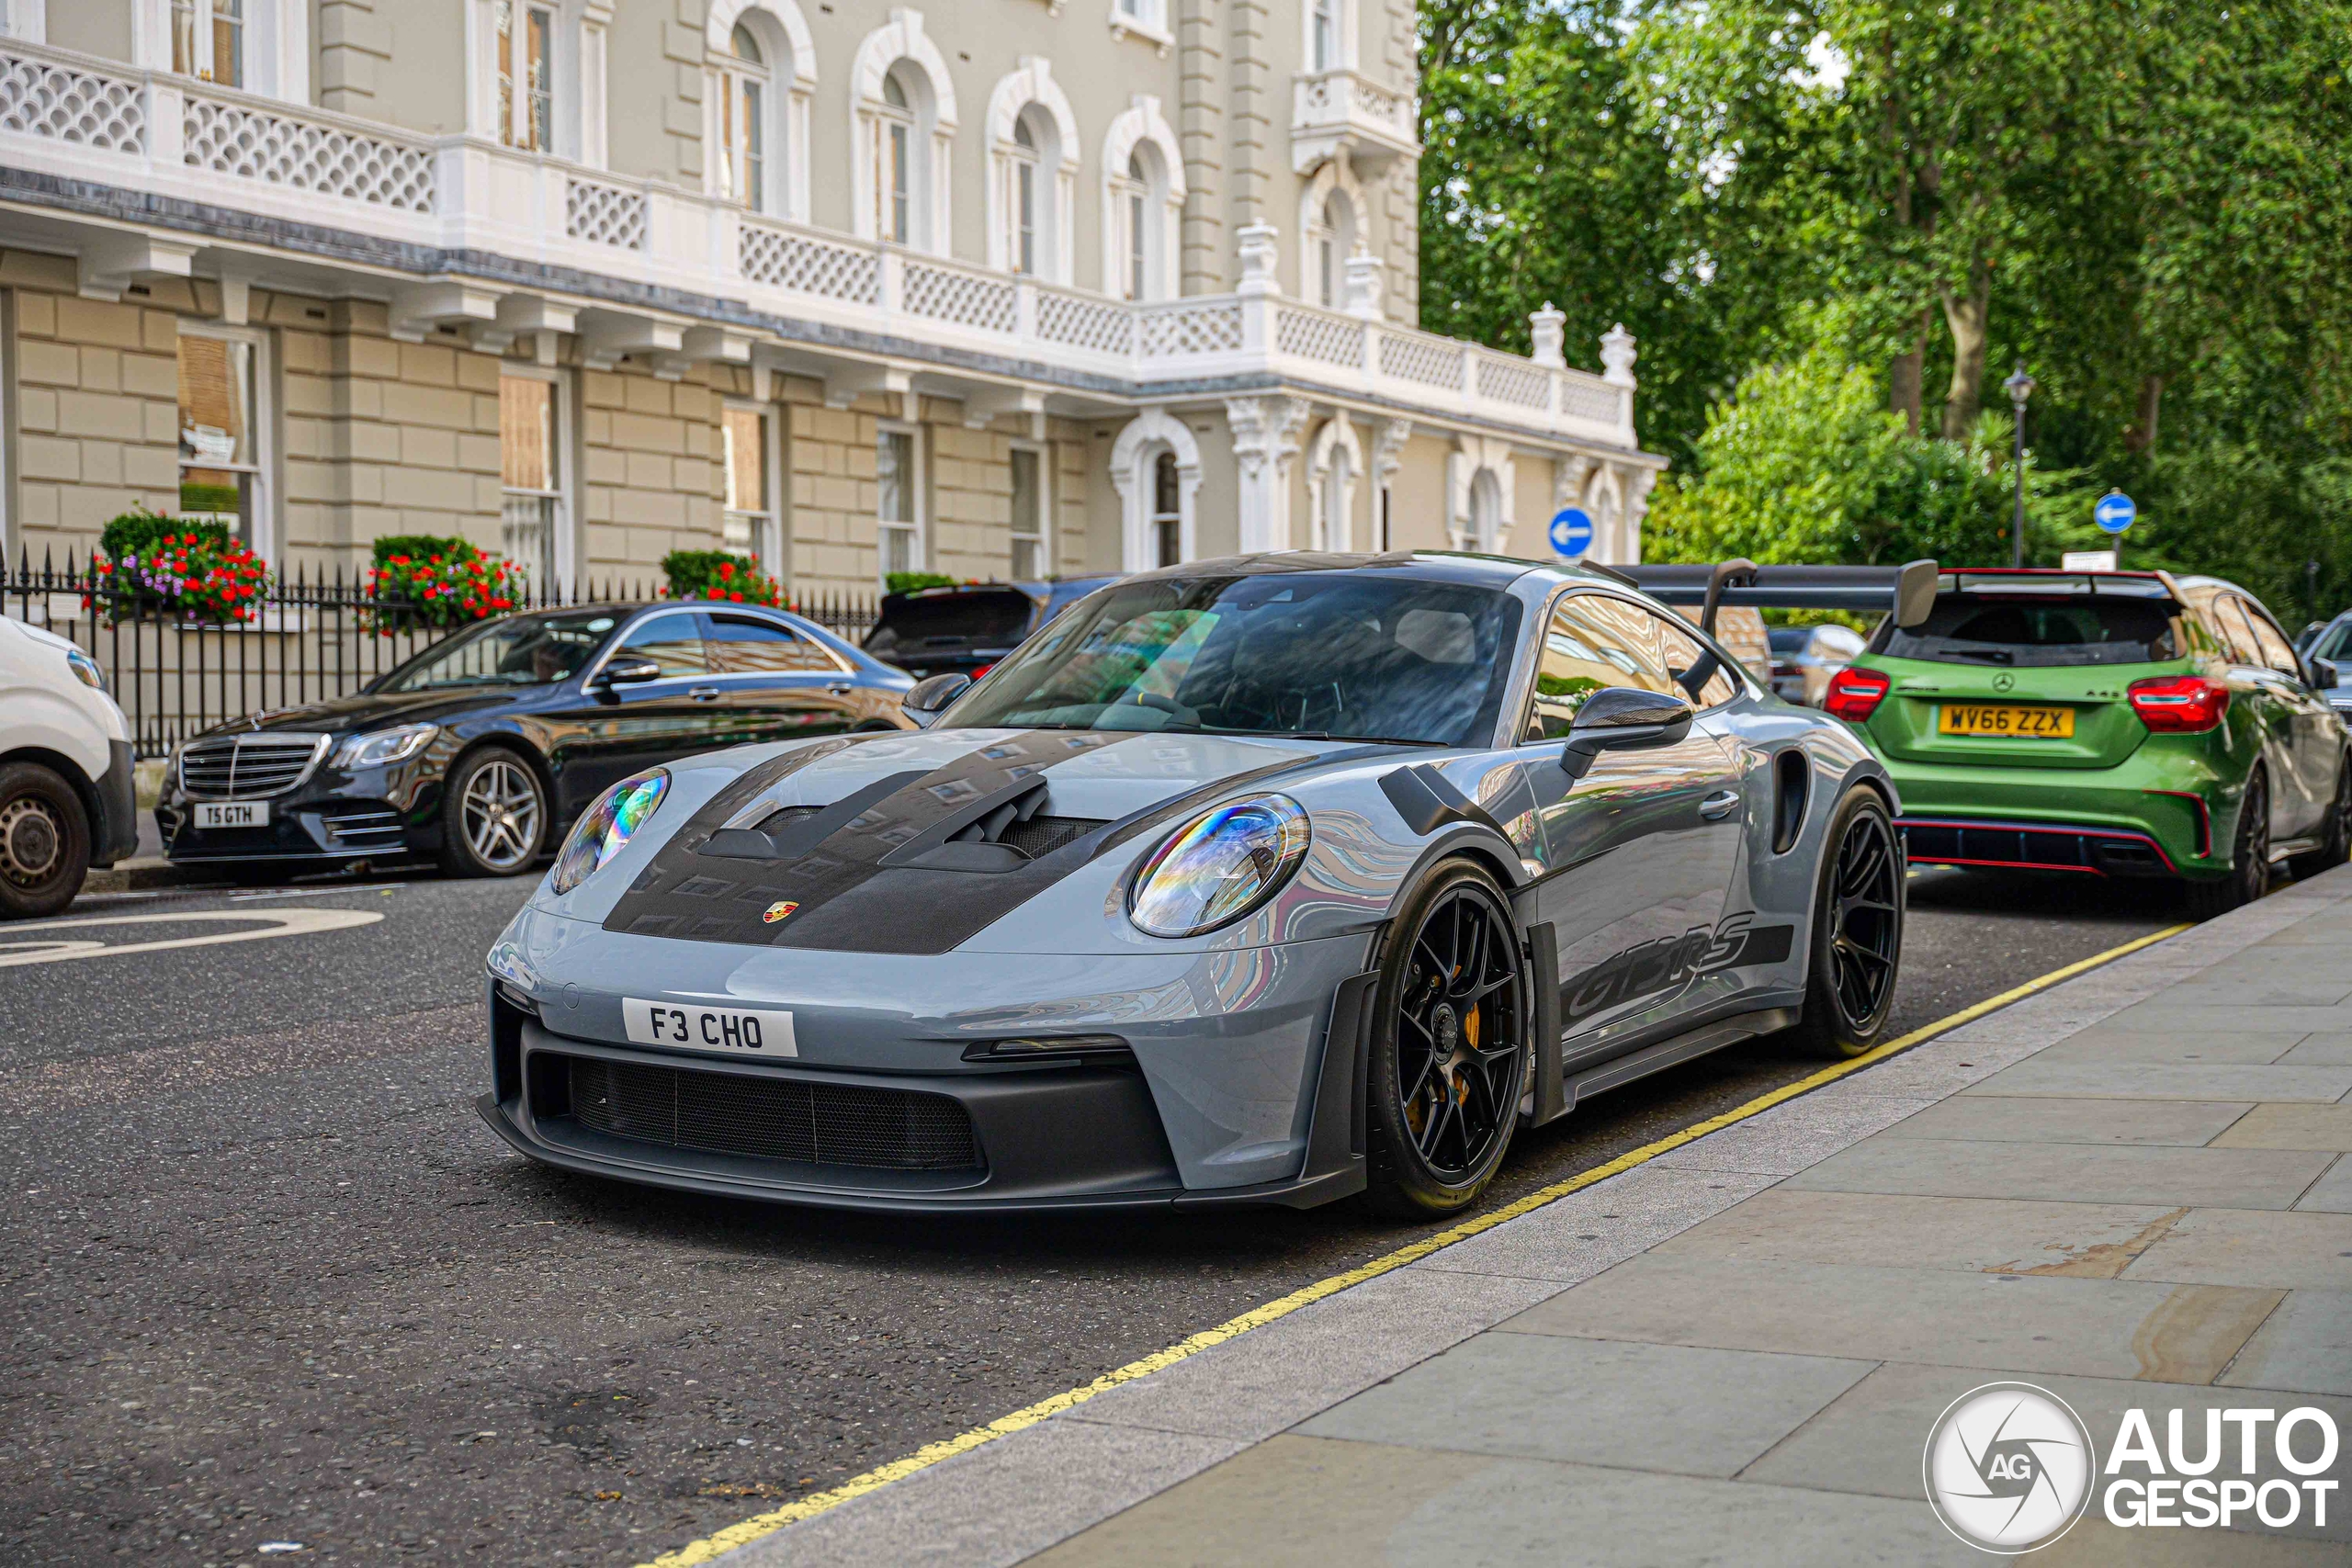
(2249, 873)
(1858, 930)
(2336, 831)
(44, 841)
(1450, 1044)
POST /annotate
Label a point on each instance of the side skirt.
(1678, 1049)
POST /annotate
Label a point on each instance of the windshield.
(2334, 643)
(1977, 628)
(1332, 655)
(524, 651)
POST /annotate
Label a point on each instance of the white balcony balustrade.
(327, 180)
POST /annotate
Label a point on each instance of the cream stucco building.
(991, 287)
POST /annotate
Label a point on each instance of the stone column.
(1638, 506)
(1265, 441)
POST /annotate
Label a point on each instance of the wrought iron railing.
(312, 635)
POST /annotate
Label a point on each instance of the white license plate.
(233, 814)
(731, 1031)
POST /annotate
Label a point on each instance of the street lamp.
(2021, 387)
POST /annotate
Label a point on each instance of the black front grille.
(246, 767)
(813, 1124)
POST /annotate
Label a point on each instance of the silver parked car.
(1268, 879)
(1805, 659)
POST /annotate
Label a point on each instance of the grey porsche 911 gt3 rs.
(1269, 879)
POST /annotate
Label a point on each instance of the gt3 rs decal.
(1655, 968)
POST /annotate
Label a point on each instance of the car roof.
(1423, 566)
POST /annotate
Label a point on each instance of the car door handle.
(704, 693)
(1720, 804)
(840, 688)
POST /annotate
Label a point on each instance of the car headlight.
(607, 827)
(85, 669)
(1219, 866)
(381, 748)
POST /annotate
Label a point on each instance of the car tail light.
(1854, 694)
(983, 670)
(2179, 704)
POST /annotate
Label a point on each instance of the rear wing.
(1907, 592)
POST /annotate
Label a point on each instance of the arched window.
(1485, 509)
(1032, 172)
(1143, 198)
(1334, 464)
(743, 122)
(1156, 468)
(758, 82)
(1021, 207)
(894, 164)
(902, 126)
(1331, 241)
(1138, 225)
(1167, 512)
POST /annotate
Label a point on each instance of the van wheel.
(1856, 931)
(44, 841)
(1449, 1046)
(2249, 875)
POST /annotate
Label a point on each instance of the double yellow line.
(816, 1503)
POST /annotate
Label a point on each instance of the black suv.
(964, 629)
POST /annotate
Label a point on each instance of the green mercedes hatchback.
(2105, 724)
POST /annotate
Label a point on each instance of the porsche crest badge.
(780, 909)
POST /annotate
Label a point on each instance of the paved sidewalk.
(2129, 1190)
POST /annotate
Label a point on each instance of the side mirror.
(926, 700)
(627, 672)
(1620, 718)
(2324, 674)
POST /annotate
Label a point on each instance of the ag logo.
(2004, 682)
(776, 911)
(2009, 1467)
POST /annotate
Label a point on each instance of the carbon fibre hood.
(913, 843)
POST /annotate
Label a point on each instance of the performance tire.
(1450, 1045)
(1856, 931)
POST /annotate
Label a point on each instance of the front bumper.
(335, 818)
(1211, 1098)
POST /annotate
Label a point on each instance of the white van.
(67, 801)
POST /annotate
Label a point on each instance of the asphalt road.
(268, 1278)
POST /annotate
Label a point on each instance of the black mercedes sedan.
(480, 750)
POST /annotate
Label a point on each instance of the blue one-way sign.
(1571, 532)
(2114, 511)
